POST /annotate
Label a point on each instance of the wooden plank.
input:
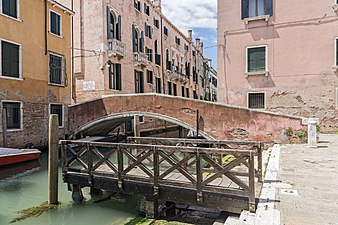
(252, 197)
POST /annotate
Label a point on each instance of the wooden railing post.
(120, 165)
(260, 162)
(199, 177)
(252, 194)
(156, 165)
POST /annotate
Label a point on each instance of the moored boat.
(9, 156)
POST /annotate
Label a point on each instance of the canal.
(28, 188)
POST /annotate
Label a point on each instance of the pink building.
(131, 47)
(280, 56)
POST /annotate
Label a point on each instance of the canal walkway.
(307, 192)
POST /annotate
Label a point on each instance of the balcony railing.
(116, 47)
(140, 59)
(179, 76)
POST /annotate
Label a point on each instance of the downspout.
(46, 27)
(72, 73)
(162, 56)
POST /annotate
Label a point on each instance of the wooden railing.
(252, 145)
(155, 164)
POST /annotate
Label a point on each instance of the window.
(182, 91)
(193, 53)
(165, 30)
(139, 82)
(158, 85)
(138, 40)
(10, 8)
(137, 5)
(256, 100)
(256, 59)
(254, 8)
(168, 62)
(58, 110)
(149, 76)
(55, 23)
(336, 52)
(187, 92)
(156, 23)
(56, 69)
(10, 60)
(14, 114)
(178, 40)
(115, 76)
(149, 53)
(175, 89)
(146, 9)
(148, 30)
(170, 92)
(113, 25)
(195, 94)
(157, 56)
(186, 47)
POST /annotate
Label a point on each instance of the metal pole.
(4, 128)
(197, 122)
(53, 145)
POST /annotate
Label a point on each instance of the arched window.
(113, 25)
(138, 39)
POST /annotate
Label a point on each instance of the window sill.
(265, 73)
(13, 18)
(335, 7)
(11, 78)
(58, 85)
(59, 36)
(13, 130)
(335, 68)
(256, 18)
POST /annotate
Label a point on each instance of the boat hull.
(13, 159)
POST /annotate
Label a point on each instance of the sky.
(200, 16)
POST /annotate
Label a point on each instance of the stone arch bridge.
(216, 121)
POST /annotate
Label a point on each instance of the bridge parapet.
(216, 121)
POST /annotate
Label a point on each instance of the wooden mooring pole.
(4, 128)
(53, 146)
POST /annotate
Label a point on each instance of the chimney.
(158, 4)
(190, 35)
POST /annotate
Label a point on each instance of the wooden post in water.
(4, 128)
(53, 146)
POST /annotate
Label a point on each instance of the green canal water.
(29, 188)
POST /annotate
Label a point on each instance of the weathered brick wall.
(218, 120)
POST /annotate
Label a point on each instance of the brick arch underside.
(104, 125)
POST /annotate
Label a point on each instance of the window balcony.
(140, 59)
(116, 48)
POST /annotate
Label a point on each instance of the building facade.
(35, 69)
(131, 47)
(280, 58)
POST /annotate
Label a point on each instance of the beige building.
(131, 47)
(280, 58)
(35, 68)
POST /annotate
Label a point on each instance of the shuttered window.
(169, 84)
(10, 59)
(256, 59)
(56, 69)
(256, 100)
(55, 23)
(158, 85)
(115, 76)
(113, 25)
(138, 40)
(253, 8)
(13, 111)
(10, 8)
(149, 76)
(57, 109)
(139, 82)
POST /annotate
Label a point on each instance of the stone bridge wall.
(218, 120)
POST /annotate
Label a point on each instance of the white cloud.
(190, 14)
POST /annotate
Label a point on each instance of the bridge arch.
(103, 125)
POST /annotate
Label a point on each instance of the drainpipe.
(162, 56)
(46, 27)
(72, 55)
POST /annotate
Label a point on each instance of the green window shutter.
(245, 9)
(142, 42)
(118, 28)
(109, 33)
(256, 59)
(269, 7)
